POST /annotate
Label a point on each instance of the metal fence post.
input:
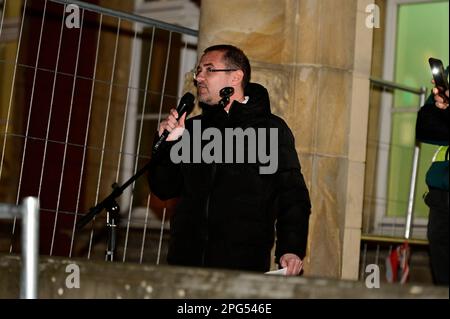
(30, 246)
(413, 181)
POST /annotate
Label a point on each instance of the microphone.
(186, 104)
(225, 94)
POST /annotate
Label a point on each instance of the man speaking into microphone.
(229, 209)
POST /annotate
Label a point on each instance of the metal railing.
(128, 16)
(29, 213)
(421, 92)
(376, 244)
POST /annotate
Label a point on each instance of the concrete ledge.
(124, 280)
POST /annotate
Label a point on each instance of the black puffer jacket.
(226, 214)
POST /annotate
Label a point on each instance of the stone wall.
(314, 57)
(125, 280)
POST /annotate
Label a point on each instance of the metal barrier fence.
(83, 89)
(29, 213)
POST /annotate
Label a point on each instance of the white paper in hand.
(280, 272)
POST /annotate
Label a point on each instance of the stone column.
(314, 57)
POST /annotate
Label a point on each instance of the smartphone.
(439, 76)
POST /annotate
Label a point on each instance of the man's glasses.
(209, 70)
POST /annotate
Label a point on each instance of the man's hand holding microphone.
(172, 128)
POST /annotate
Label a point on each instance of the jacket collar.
(258, 106)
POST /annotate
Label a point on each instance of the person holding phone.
(432, 128)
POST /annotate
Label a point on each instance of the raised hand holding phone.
(440, 80)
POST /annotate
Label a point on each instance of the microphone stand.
(112, 212)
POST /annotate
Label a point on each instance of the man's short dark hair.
(234, 58)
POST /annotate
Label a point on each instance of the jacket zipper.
(213, 175)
